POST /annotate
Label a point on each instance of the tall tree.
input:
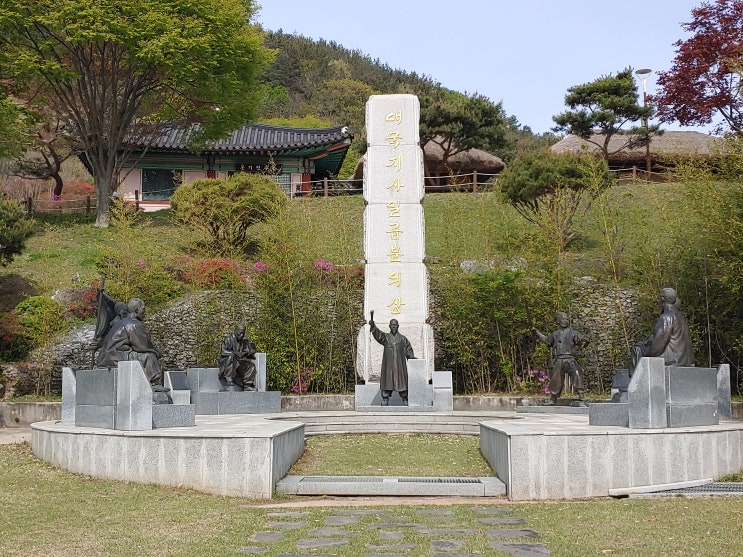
(705, 79)
(106, 66)
(547, 189)
(602, 107)
(457, 122)
(48, 146)
(12, 123)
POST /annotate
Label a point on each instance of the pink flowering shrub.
(323, 265)
(300, 384)
(533, 381)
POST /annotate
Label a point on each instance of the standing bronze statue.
(564, 342)
(397, 352)
(670, 339)
(237, 361)
(128, 339)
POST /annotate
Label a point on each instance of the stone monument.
(396, 279)
(396, 284)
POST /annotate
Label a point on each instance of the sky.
(523, 53)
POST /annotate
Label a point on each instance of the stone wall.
(189, 331)
(609, 317)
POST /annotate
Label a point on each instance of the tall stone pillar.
(396, 280)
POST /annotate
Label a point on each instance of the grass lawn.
(386, 455)
(47, 511)
(459, 226)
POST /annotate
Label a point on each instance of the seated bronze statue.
(128, 340)
(237, 361)
(670, 340)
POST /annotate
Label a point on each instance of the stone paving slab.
(271, 537)
(512, 533)
(501, 520)
(436, 530)
(321, 543)
(523, 549)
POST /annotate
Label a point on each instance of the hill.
(493, 275)
(324, 83)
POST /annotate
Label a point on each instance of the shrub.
(82, 303)
(482, 326)
(15, 341)
(15, 227)
(225, 211)
(215, 273)
(150, 282)
(32, 323)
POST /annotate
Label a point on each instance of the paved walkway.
(14, 435)
(441, 531)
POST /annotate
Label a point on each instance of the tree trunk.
(58, 185)
(103, 201)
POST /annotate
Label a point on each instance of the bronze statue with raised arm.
(397, 351)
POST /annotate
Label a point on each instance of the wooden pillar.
(136, 199)
(29, 204)
(325, 186)
(474, 181)
(87, 205)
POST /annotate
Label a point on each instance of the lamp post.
(643, 73)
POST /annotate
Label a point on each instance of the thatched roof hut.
(670, 143)
(463, 166)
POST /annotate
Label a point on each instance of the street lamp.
(643, 73)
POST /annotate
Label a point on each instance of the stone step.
(391, 486)
(352, 422)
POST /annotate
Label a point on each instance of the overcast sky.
(525, 53)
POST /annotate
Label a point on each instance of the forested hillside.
(318, 83)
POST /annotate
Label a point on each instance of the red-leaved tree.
(705, 79)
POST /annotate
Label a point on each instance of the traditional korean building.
(296, 158)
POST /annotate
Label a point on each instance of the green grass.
(47, 511)
(459, 226)
(385, 455)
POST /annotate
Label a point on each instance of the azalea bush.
(532, 381)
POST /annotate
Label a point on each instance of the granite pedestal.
(117, 398)
(660, 396)
(443, 391)
(543, 456)
(368, 397)
(209, 398)
(177, 382)
(237, 455)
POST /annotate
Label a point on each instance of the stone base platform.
(552, 410)
(536, 456)
(402, 486)
(548, 456)
(238, 455)
(434, 423)
(395, 409)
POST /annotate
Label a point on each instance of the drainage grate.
(440, 480)
(381, 479)
(713, 488)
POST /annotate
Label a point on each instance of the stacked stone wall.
(190, 331)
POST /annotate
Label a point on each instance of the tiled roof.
(255, 137)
